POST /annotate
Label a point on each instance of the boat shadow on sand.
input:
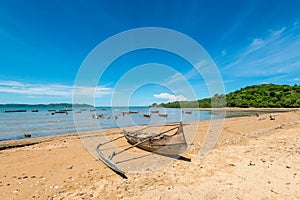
(175, 157)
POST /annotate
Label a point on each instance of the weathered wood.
(160, 143)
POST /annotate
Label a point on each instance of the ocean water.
(43, 123)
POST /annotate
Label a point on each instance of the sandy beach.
(254, 158)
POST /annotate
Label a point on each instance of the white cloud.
(15, 87)
(181, 98)
(194, 72)
(170, 97)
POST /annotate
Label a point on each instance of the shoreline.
(248, 109)
(253, 156)
(230, 112)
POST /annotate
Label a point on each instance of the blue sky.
(43, 44)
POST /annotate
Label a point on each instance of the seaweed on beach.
(18, 144)
(243, 113)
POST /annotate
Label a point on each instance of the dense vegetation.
(259, 96)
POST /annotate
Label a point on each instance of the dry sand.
(254, 158)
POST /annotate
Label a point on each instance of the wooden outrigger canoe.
(159, 143)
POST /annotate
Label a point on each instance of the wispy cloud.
(175, 78)
(183, 77)
(255, 45)
(278, 32)
(170, 97)
(15, 87)
(296, 79)
(223, 52)
(236, 25)
(7, 35)
(272, 55)
(260, 43)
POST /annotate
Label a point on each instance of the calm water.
(43, 123)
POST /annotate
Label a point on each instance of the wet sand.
(254, 158)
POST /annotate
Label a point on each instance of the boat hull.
(163, 144)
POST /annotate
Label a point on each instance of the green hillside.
(259, 96)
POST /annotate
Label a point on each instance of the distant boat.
(124, 113)
(163, 115)
(154, 111)
(188, 112)
(34, 110)
(8, 111)
(27, 135)
(133, 112)
(98, 116)
(147, 115)
(60, 112)
(51, 110)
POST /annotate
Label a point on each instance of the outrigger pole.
(109, 162)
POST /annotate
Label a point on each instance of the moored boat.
(98, 116)
(133, 112)
(154, 111)
(166, 143)
(61, 112)
(161, 143)
(163, 115)
(27, 135)
(8, 111)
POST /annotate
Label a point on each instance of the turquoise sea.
(44, 122)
